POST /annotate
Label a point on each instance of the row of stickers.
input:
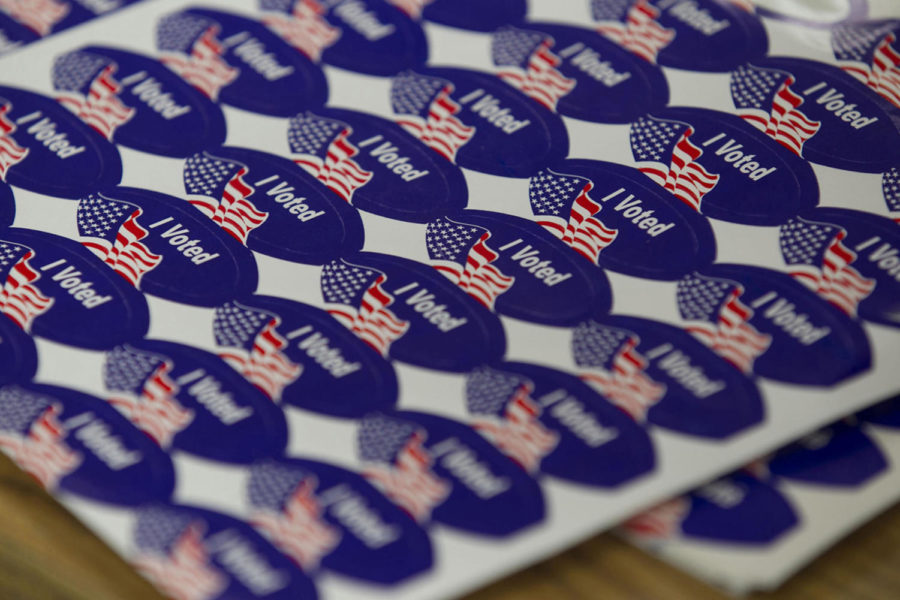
(754, 528)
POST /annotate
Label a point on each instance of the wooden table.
(45, 554)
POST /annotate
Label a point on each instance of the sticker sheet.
(359, 298)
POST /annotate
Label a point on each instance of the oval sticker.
(188, 399)
(300, 355)
(478, 122)
(375, 165)
(239, 62)
(721, 167)
(135, 101)
(411, 313)
(268, 204)
(48, 150)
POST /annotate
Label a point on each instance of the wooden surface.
(45, 554)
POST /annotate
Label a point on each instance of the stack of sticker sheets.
(386, 299)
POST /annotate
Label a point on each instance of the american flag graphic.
(356, 297)
(110, 229)
(413, 8)
(870, 53)
(818, 258)
(302, 24)
(90, 91)
(720, 320)
(661, 522)
(427, 111)
(171, 552)
(665, 154)
(322, 148)
(20, 299)
(217, 188)
(192, 50)
(764, 99)
(461, 253)
(633, 25)
(890, 186)
(284, 506)
(506, 414)
(562, 206)
(527, 63)
(11, 153)
(40, 16)
(255, 347)
(399, 465)
(146, 393)
(613, 366)
(31, 434)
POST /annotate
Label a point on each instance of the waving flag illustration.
(413, 8)
(90, 91)
(561, 205)
(147, 393)
(819, 259)
(427, 111)
(890, 186)
(633, 25)
(400, 466)
(527, 63)
(283, 504)
(460, 252)
(110, 229)
(20, 300)
(764, 99)
(11, 152)
(321, 148)
(615, 368)
(720, 319)
(255, 347)
(301, 23)
(192, 50)
(660, 522)
(356, 297)
(217, 187)
(666, 155)
(870, 53)
(172, 553)
(32, 436)
(40, 16)
(508, 416)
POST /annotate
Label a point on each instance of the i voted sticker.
(239, 62)
(818, 112)
(409, 312)
(577, 73)
(767, 323)
(441, 470)
(375, 165)
(189, 552)
(478, 122)
(300, 355)
(737, 509)
(551, 422)
(74, 442)
(18, 356)
(56, 289)
(699, 35)
(616, 219)
(268, 204)
(840, 455)
(162, 247)
(7, 206)
(465, 14)
(849, 258)
(869, 52)
(49, 150)
(325, 516)
(722, 167)
(513, 267)
(135, 101)
(191, 400)
(660, 374)
(368, 36)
